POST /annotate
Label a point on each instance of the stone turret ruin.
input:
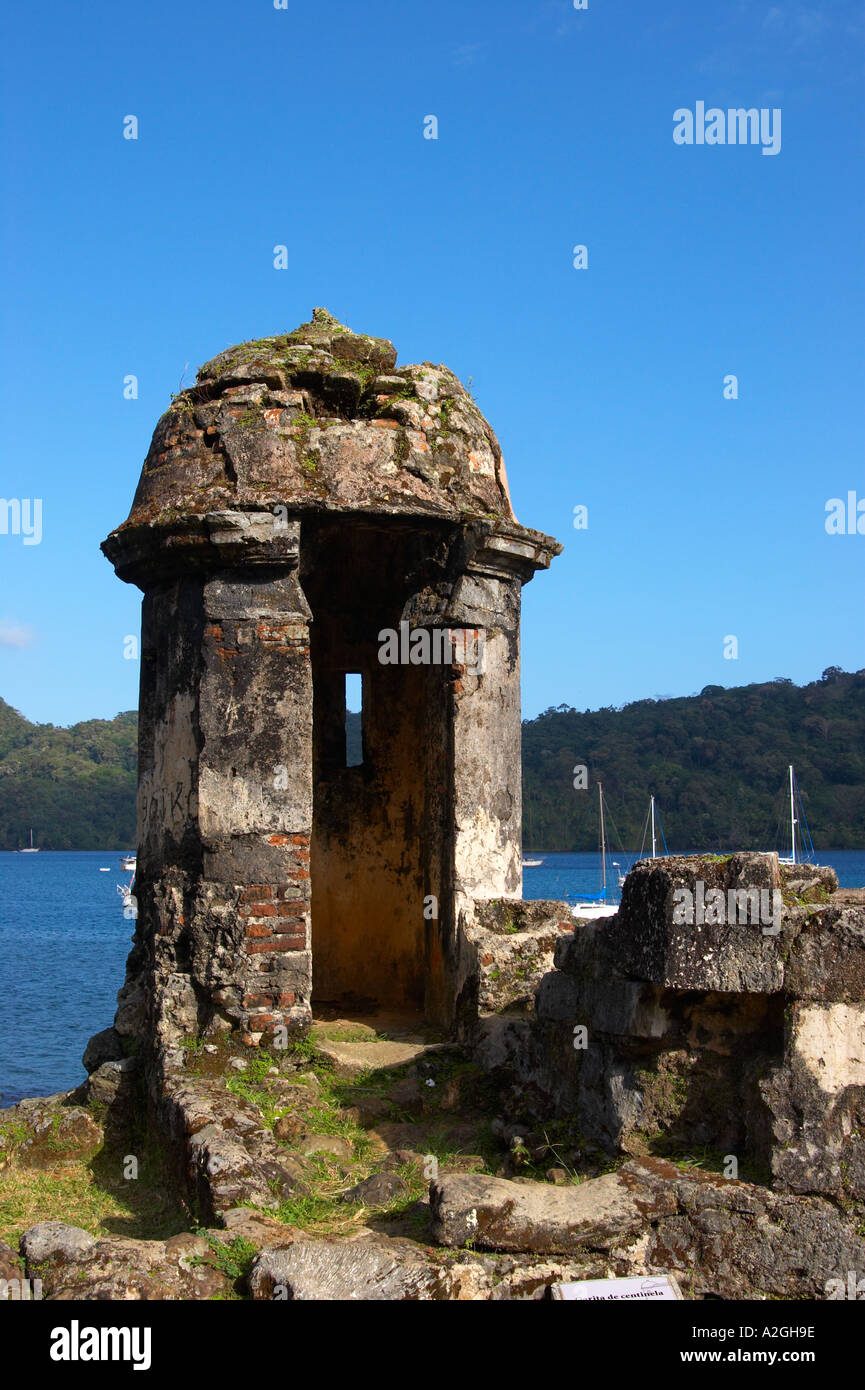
(303, 498)
(308, 511)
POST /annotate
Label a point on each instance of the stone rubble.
(713, 1036)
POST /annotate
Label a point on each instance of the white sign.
(659, 1288)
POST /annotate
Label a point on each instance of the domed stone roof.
(322, 419)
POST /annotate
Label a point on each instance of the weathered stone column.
(255, 789)
(483, 840)
(225, 789)
(487, 728)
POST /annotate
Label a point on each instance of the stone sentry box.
(302, 497)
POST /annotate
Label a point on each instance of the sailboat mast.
(603, 841)
(792, 818)
(653, 827)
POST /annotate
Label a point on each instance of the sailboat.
(806, 843)
(31, 849)
(598, 907)
(653, 823)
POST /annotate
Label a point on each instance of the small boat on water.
(129, 862)
(32, 849)
(598, 907)
(531, 863)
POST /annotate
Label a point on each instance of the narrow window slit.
(353, 719)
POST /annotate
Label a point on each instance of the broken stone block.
(332, 1144)
(497, 1214)
(257, 1227)
(506, 947)
(720, 1237)
(73, 1265)
(809, 882)
(730, 1239)
(827, 958)
(11, 1267)
(370, 1269)
(743, 952)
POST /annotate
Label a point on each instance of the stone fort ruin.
(303, 497)
(310, 512)
(541, 1100)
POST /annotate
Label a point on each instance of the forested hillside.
(75, 786)
(716, 763)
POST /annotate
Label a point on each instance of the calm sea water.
(64, 942)
(63, 948)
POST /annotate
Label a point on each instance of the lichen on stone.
(411, 439)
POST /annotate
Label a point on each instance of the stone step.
(354, 1058)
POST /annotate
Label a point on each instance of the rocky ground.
(373, 1164)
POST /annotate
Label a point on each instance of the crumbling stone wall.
(659, 1036)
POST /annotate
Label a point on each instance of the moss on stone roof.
(322, 418)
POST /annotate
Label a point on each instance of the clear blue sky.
(305, 127)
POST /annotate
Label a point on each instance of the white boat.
(32, 849)
(587, 912)
(531, 863)
(599, 907)
(129, 862)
